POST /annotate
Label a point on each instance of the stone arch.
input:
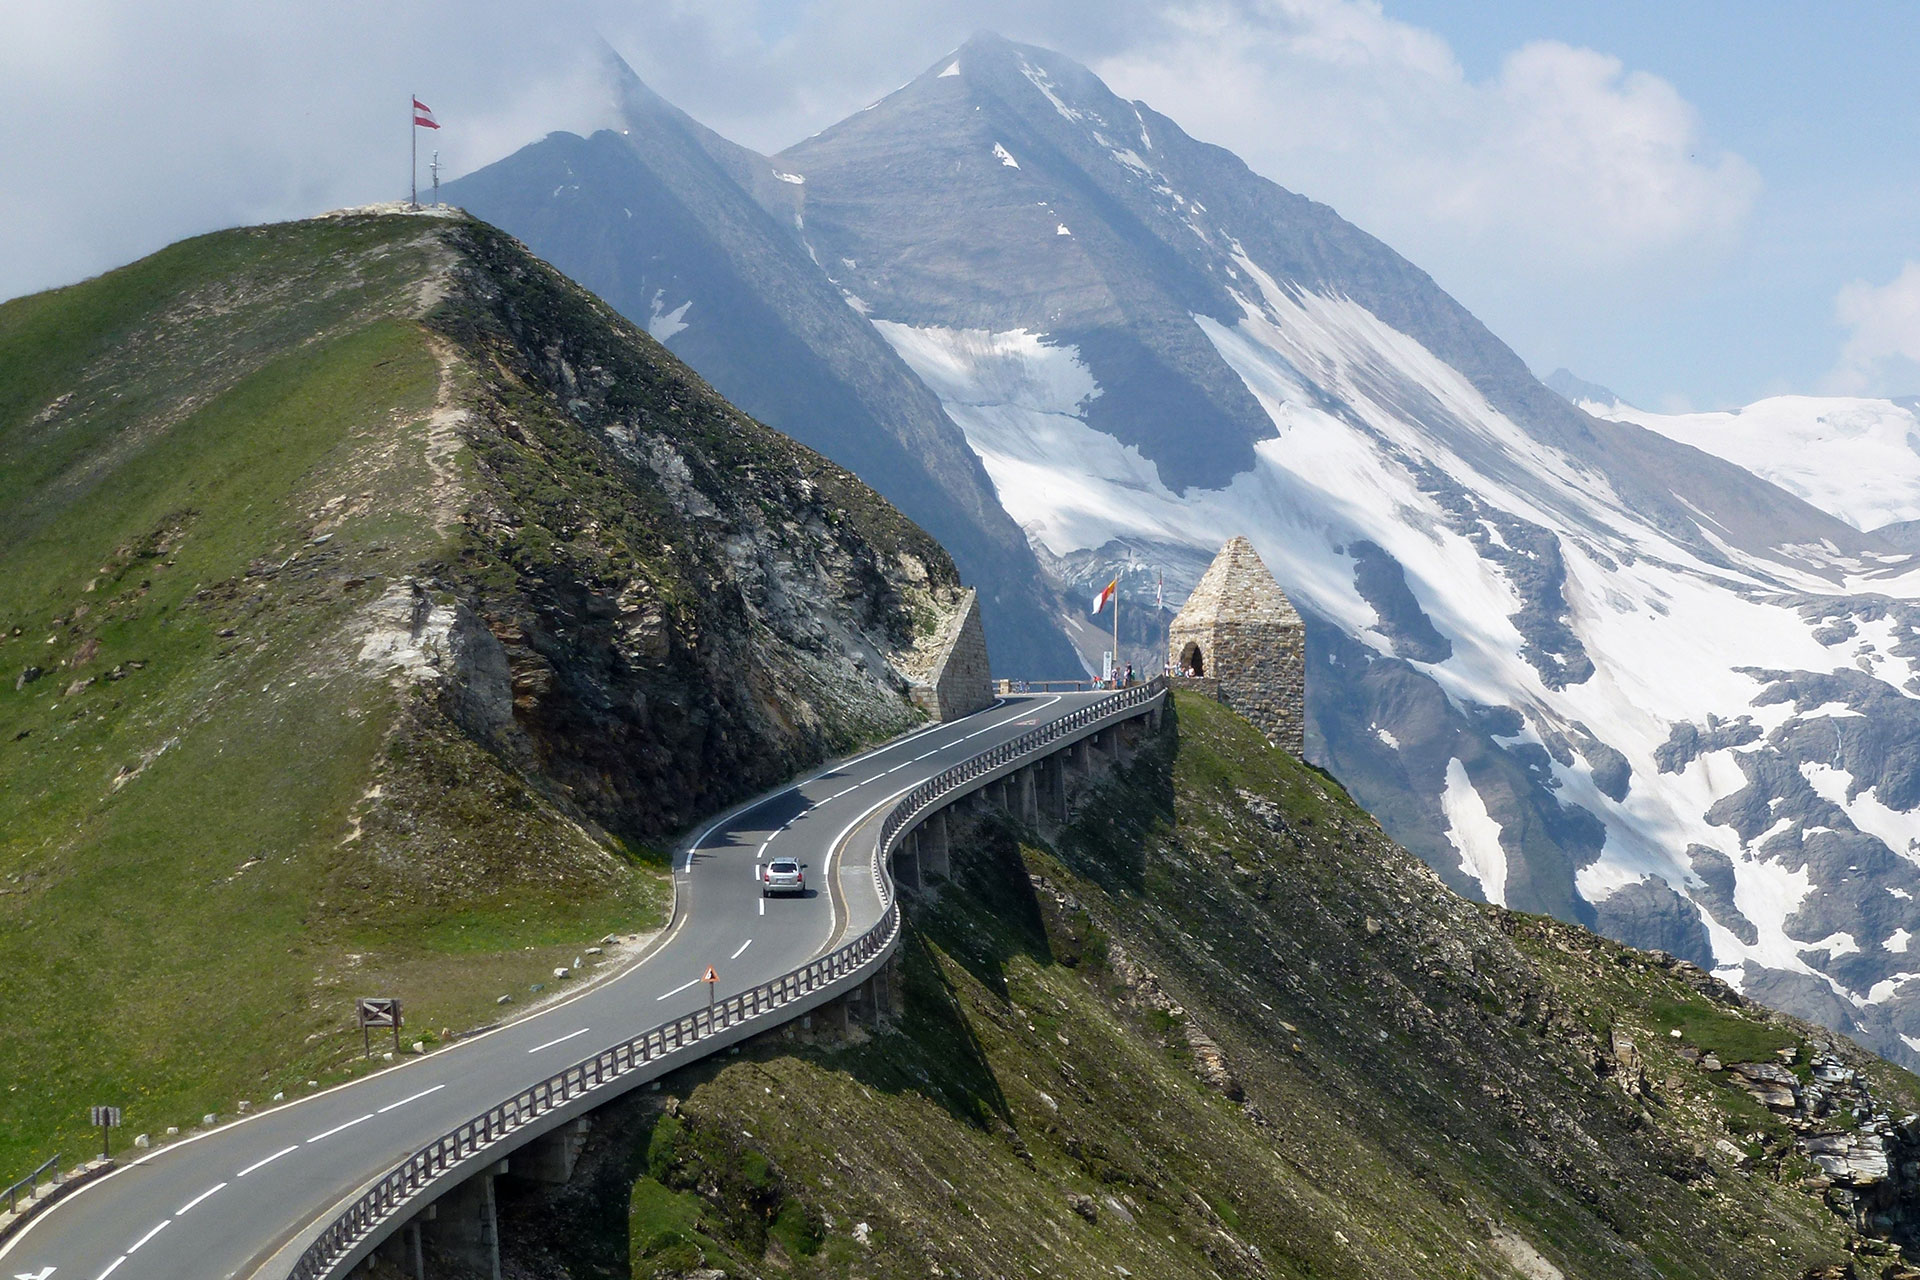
(1193, 661)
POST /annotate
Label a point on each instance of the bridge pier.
(935, 847)
(906, 864)
(1029, 809)
(1054, 784)
(878, 998)
(465, 1223)
(551, 1157)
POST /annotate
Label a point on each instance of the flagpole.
(413, 155)
(1116, 635)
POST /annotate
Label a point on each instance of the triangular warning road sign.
(711, 975)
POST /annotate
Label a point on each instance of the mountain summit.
(699, 240)
(1578, 666)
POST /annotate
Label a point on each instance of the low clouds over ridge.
(1573, 200)
(1565, 159)
(1882, 350)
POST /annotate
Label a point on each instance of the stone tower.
(1240, 634)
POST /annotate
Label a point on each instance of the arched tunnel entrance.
(1192, 661)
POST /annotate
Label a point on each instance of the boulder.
(1849, 1158)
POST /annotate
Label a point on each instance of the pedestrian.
(1129, 675)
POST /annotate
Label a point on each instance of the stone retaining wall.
(960, 681)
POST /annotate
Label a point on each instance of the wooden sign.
(378, 1011)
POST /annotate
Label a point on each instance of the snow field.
(1666, 631)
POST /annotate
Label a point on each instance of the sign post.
(710, 980)
(108, 1118)
(377, 1011)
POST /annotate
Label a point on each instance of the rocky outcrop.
(660, 604)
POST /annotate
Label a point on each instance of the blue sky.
(1824, 102)
(1697, 204)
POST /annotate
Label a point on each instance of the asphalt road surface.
(217, 1206)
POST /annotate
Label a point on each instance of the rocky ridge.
(377, 601)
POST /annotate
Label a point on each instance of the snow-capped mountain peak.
(1856, 458)
(1579, 665)
(1593, 647)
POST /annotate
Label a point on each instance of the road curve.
(217, 1206)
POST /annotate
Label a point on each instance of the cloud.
(131, 125)
(1881, 355)
(1564, 165)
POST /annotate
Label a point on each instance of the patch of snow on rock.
(1006, 157)
(1888, 825)
(1474, 833)
(663, 324)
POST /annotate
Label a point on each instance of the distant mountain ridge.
(1569, 661)
(1578, 391)
(686, 234)
(1856, 457)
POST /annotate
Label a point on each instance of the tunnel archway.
(1192, 661)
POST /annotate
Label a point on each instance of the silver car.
(783, 875)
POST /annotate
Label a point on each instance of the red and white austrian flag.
(423, 116)
(1106, 594)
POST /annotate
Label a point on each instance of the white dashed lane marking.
(162, 1225)
(743, 946)
(562, 1040)
(341, 1128)
(394, 1106)
(202, 1196)
(261, 1164)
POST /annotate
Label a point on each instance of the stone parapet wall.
(960, 680)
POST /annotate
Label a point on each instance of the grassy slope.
(1417, 1075)
(180, 921)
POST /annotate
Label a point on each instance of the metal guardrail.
(31, 1183)
(915, 804)
(381, 1202)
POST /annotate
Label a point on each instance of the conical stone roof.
(1237, 588)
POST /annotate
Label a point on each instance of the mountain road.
(220, 1205)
